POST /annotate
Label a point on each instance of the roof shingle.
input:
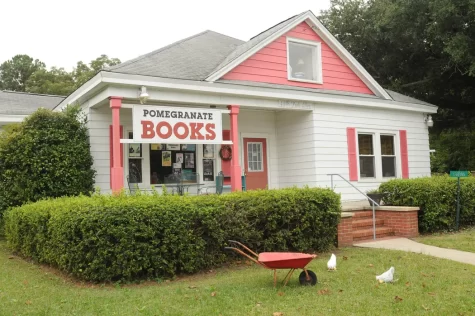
(22, 103)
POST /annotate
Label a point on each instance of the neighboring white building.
(305, 108)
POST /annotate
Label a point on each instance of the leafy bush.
(47, 155)
(103, 238)
(437, 198)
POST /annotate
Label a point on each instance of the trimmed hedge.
(110, 238)
(437, 198)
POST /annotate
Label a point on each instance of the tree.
(47, 155)
(56, 81)
(422, 48)
(82, 73)
(15, 72)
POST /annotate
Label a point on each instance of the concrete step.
(362, 234)
(359, 214)
(360, 222)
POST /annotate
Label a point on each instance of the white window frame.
(261, 156)
(378, 165)
(317, 59)
(395, 155)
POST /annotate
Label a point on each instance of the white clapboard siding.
(296, 148)
(331, 122)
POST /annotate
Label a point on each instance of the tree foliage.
(15, 72)
(47, 155)
(422, 48)
(22, 73)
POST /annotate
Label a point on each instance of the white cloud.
(61, 33)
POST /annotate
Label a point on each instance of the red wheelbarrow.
(280, 260)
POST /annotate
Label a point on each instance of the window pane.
(387, 145)
(389, 166)
(366, 167)
(301, 61)
(135, 170)
(365, 144)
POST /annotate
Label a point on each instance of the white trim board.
(303, 99)
(329, 39)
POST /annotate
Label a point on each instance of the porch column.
(236, 183)
(117, 171)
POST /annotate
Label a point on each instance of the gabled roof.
(209, 55)
(22, 103)
(192, 58)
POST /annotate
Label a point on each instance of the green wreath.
(225, 153)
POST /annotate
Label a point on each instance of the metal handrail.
(374, 202)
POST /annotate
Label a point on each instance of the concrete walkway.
(405, 244)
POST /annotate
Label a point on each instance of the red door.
(255, 163)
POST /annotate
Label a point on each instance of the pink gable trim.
(269, 65)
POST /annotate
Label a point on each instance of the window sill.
(305, 80)
(376, 180)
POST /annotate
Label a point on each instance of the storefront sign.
(160, 124)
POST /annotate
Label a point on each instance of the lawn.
(463, 240)
(425, 285)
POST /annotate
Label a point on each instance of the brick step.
(359, 214)
(362, 234)
(366, 222)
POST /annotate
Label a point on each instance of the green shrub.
(47, 155)
(104, 238)
(437, 198)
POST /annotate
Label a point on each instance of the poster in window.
(166, 158)
(173, 146)
(156, 147)
(188, 147)
(208, 151)
(208, 169)
(179, 158)
(177, 171)
(135, 150)
(189, 160)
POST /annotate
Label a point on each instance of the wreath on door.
(225, 153)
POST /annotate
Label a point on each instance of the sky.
(61, 33)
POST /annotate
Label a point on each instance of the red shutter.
(352, 154)
(404, 154)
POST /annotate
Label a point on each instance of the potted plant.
(374, 195)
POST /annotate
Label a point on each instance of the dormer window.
(304, 60)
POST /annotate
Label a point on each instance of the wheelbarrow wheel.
(303, 278)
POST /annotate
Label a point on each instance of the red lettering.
(176, 131)
(195, 131)
(210, 129)
(165, 135)
(147, 129)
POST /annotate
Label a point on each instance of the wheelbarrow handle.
(238, 243)
(245, 255)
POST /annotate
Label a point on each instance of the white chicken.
(331, 264)
(386, 277)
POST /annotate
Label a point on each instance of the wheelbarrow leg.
(307, 277)
(275, 277)
(288, 276)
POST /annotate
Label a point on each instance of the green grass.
(463, 240)
(426, 285)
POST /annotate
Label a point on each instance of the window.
(377, 155)
(304, 62)
(388, 156)
(135, 161)
(366, 152)
(168, 159)
(254, 157)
